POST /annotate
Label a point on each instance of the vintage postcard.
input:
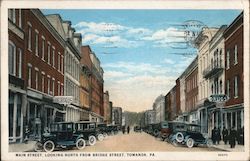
(125, 80)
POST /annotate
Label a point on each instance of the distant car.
(62, 134)
(137, 129)
(190, 136)
(102, 127)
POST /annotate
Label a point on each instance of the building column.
(242, 117)
(14, 117)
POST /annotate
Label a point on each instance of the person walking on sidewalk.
(232, 137)
(123, 129)
(225, 135)
(128, 129)
(214, 135)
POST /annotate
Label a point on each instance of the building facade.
(215, 75)
(159, 107)
(107, 108)
(70, 63)
(233, 114)
(149, 117)
(117, 116)
(34, 46)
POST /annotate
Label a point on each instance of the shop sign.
(65, 100)
(218, 98)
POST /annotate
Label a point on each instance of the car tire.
(49, 146)
(179, 137)
(156, 133)
(92, 140)
(209, 143)
(38, 147)
(175, 142)
(105, 135)
(100, 137)
(190, 142)
(80, 144)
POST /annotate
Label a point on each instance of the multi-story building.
(233, 113)
(36, 77)
(107, 108)
(117, 116)
(159, 107)
(173, 104)
(182, 114)
(71, 63)
(168, 110)
(215, 75)
(97, 110)
(149, 117)
(191, 86)
(178, 99)
(111, 109)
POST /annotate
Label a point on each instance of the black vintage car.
(89, 130)
(102, 127)
(190, 136)
(137, 129)
(112, 129)
(63, 135)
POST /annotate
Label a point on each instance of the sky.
(142, 52)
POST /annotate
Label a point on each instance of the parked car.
(112, 129)
(63, 135)
(102, 127)
(88, 130)
(190, 136)
(137, 129)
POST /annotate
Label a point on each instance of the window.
(29, 36)
(20, 18)
(19, 74)
(228, 88)
(235, 54)
(58, 88)
(48, 84)
(59, 67)
(220, 86)
(29, 75)
(236, 87)
(12, 58)
(53, 86)
(48, 53)
(228, 59)
(43, 47)
(62, 64)
(12, 15)
(36, 79)
(43, 81)
(53, 56)
(36, 43)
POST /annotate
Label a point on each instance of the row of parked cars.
(68, 135)
(179, 133)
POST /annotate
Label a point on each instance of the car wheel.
(100, 137)
(92, 140)
(174, 142)
(38, 147)
(80, 144)
(179, 137)
(209, 143)
(156, 133)
(105, 135)
(190, 142)
(49, 146)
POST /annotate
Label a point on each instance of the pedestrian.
(218, 136)
(214, 135)
(123, 129)
(128, 129)
(225, 135)
(232, 137)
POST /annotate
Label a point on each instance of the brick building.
(71, 63)
(107, 108)
(90, 62)
(34, 46)
(233, 114)
(168, 110)
(191, 87)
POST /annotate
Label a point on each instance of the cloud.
(168, 61)
(134, 67)
(115, 74)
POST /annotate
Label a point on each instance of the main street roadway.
(135, 142)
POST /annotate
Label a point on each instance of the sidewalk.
(22, 147)
(222, 146)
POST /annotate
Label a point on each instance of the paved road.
(135, 142)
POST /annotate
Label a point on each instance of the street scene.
(125, 80)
